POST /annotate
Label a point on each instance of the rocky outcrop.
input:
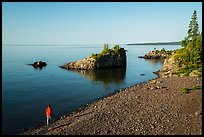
(169, 68)
(108, 60)
(156, 54)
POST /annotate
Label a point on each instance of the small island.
(158, 54)
(108, 58)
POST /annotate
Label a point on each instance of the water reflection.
(155, 61)
(107, 76)
(37, 67)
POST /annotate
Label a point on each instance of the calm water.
(27, 91)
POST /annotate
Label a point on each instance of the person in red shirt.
(48, 113)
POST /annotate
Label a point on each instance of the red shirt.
(49, 111)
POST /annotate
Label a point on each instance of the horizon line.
(91, 43)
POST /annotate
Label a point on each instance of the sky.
(65, 23)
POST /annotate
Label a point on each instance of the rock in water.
(107, 60)
(156, 54)
(39, 64)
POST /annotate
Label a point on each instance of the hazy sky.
(96, 22)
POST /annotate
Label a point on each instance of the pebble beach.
(156, 107)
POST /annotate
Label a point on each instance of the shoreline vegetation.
(168, 105)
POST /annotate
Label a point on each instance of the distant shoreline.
(157, 43)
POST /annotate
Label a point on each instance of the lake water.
(27, 91)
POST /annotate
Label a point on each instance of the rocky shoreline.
(156, 54)
(156, 107)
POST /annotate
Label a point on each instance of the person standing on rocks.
(48, 113)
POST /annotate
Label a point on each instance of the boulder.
(168, 68)
(39, 64)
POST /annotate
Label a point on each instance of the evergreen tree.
(189, 58)
(193, 27)
(193, 31)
